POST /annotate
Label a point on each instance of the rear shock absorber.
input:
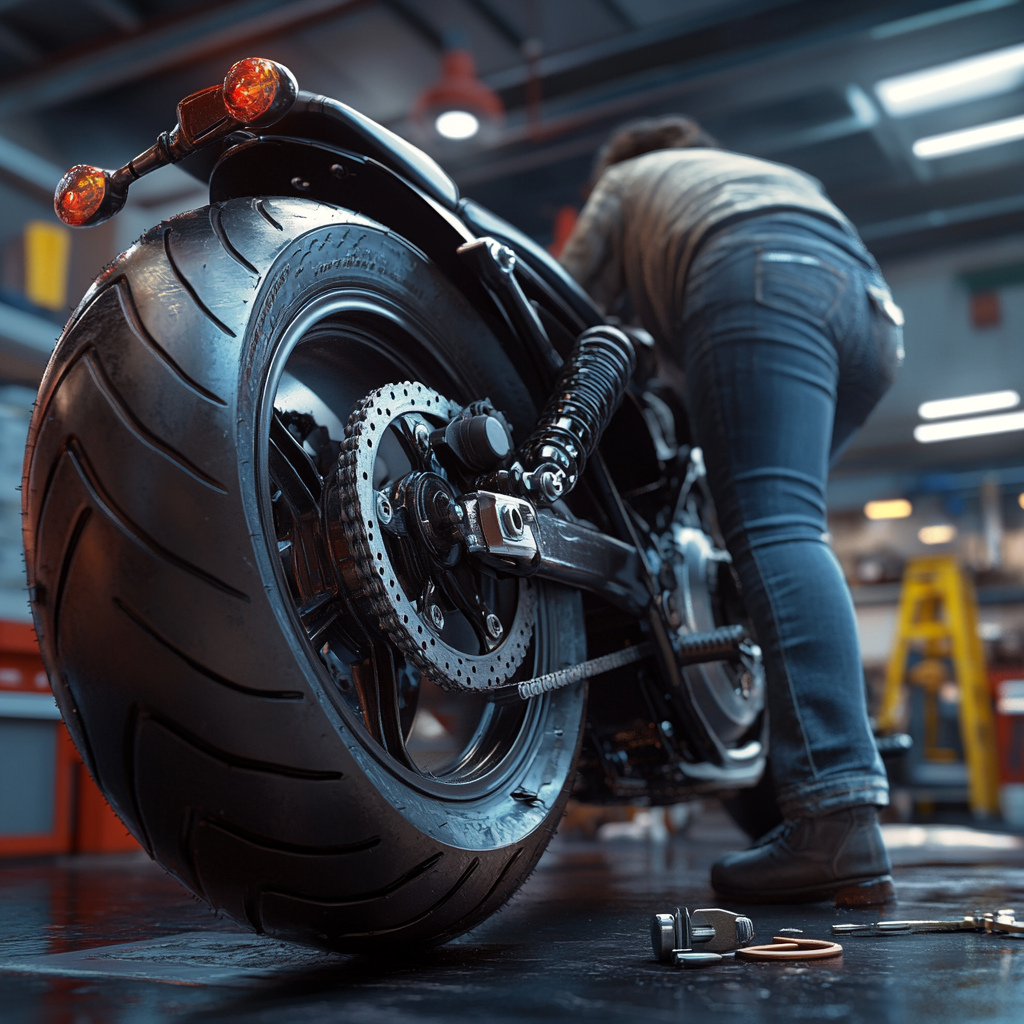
(591, 385)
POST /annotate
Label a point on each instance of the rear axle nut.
(512, 524)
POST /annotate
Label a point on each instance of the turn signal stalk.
(255, 94)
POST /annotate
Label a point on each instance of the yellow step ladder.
(938, 618)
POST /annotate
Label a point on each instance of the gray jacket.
(644, 220)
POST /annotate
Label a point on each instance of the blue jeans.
(788, 342)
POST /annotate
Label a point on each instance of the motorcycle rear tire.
(195, 699)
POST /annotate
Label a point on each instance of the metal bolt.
(512, 522)
(385, 513)
(457, 511)
(494, 627)
(551, 485)
(421, 434)
(436, 616)
(300, 184)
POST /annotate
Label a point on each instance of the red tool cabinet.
(48, 802)
(1008, 691)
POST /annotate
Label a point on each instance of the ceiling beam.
(118, 13)
(498, 22)
(614, 8)
(712, 36)
(183, 41)
(954, 216)
(411, 17)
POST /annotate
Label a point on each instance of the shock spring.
(591, 385)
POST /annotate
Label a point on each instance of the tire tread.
(101, 496)
(154, 634)
(188, 286)
(134, 321)
(134, 425)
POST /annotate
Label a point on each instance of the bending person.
(758, 288)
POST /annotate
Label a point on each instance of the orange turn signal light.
(250, 88)
(80, 195)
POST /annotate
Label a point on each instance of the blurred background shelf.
(48, 802)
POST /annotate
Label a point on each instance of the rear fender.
(281, 166)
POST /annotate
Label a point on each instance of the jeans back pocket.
(798, 283)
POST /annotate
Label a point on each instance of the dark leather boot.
(838, 856)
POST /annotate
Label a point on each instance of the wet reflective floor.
(112, 938)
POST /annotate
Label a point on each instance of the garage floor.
(112, 938)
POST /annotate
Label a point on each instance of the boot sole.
(848, 892)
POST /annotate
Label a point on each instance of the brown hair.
(670, 131)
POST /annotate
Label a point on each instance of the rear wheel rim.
(453, 744)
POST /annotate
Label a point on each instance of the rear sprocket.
(396, 541)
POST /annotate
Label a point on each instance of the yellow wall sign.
(47, 256)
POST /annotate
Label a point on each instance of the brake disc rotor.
(375, 563)
(731, 697)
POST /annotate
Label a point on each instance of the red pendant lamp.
(458, 106)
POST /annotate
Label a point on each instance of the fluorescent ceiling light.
(942, 408)
(988, 74)
(977, 426)
(457, 124)
(895, 508)
(933, 146)
(916, 22)
(941, 533)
